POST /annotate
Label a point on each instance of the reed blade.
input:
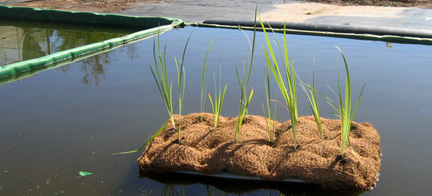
(148, 141)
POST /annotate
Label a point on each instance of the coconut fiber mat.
(209, 151)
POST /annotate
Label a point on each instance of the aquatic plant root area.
(209, 151)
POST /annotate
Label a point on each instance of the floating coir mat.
(210, 151)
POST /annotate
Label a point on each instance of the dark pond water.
(71, 119)
(23, 40)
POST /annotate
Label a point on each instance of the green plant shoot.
(181, 77)
(218, 100)
(160, 76)
(242, 115)
(203, 89)
(346, 114)
(288, 88)
(148, 141)
(312, 96)
(163, 84)
(270, 117)
(181, 81)
(244, 82)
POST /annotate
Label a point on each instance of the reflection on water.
(187, 184)
(93, 68)
(21, 40)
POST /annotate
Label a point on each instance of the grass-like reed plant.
(288, 88)
(243, 80)
(160, 75)
(218, 99)
(244, 83)
(165, 88)
(148, 141)
(203, 82)
(271, 115)
(312, 96)
(242, 114)
(181, 82)
(344, 107)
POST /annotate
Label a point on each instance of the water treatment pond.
(70, 119)
(23, 40)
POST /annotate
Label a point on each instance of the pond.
(71, 119)
(22, 40)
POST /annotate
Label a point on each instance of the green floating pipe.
(388, 34)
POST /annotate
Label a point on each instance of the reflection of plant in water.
(93, 68)
(40, 39)
(34, 41)
(131, 49)
(170, 190)
(275, 193)
(179, 190)
(73, 39)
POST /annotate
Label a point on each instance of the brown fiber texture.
(210, 151)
